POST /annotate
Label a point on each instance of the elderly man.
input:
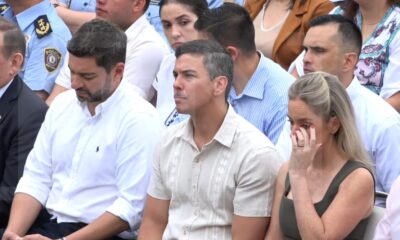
(21, 114)
(214, 174)
(90, 163)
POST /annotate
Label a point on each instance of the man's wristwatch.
(56, 5)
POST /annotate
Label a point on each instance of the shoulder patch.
(3, 7)
(42, 26)
(52, 59)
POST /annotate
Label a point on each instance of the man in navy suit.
(21, 115)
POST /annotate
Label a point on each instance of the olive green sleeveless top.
(287, 218)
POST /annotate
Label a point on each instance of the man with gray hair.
(21, 114)
(213, 174)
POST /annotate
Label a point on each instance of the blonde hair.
(327, 98)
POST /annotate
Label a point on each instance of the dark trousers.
(51, 229)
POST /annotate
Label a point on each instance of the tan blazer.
(288, 44)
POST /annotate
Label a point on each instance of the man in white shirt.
(90, 164)
(214, 174)
(332, 44)
(145, 50)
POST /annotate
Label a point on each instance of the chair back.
(373, 220)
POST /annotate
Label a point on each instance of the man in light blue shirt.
(46, 36)
(259, 92)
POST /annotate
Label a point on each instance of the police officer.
(46, 35)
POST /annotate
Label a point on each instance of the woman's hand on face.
(304, 148)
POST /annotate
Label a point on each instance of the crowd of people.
(198, 119)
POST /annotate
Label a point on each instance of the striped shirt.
(233, 174)
(264, 100)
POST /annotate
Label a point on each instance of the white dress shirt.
(145, 51)
(4, 88)
(83, 165)
(388, 227)
(379, 126)
(233, 174)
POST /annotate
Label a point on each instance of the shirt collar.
(255, 86)
(4, 88)
(25, 18)
(136, 26)
(225, 134)
(354, 88)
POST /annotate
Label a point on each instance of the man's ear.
(220, 85)
(117, 72)
(233, 51)
(350, 61)
(16, 61)
(138, 5)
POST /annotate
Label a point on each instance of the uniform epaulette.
(3, 8)
(42, 26)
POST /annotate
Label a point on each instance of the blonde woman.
(326, 189)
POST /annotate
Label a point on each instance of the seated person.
(259, 86)
(145, 50)
(280, 26)
(153, 13)
(333, 44)
(378, 64)
(213, 175)
(173, 14)
(21, 114)
(326, 189)
(90, 165)
(388, 227)
(47, 37)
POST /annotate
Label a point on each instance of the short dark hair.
(100, 39)
(13, 39)
(146, 5)
(198, 7)
(216, 59)
(348, 31)
(229, 24)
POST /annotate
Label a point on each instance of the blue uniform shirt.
(47, 37)
(80, 5)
